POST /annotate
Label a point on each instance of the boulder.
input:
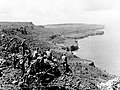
(113, 84)
(73, 48)
(88, 62)
(15, 82)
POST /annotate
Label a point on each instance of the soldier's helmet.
(3, 36)
(64, 54)
(27, 51)
(20, 56)
(39, 57)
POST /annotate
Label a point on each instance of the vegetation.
(85, 75)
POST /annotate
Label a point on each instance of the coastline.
(88, 63)
(85, 75)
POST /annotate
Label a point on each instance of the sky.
(60, 11)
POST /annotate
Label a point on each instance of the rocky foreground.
(60, 37)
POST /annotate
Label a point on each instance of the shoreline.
(85, 75)
(97, 32)
(71, 40)
(84, 35)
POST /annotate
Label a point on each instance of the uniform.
(64, 62)
(49, 54)
(35, 53)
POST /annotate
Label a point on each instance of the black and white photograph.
(59, 44)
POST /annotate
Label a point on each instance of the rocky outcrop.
(73, 48)
(83, 35)
(113, 84)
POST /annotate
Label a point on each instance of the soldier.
(22, 66)
(38, 64)
(24, 47)
(49, 54)
(64, 62)
(16, 48)
(28, 55)
(55, 61)
(39, 58)
(44, 63)
(32, 69)
(19, 57)
(15, 59)
(1, 73)
(45, 58)
(2, 36)
(20, 50)
(24, 30)
(35, 53)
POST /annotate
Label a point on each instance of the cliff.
(85, 75)
(67, 34)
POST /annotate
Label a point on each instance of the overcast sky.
(60, 11)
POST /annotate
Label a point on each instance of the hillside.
(84, 74)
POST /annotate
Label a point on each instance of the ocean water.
(104, 50)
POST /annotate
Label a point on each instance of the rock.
(68, 84)
(14, 82)
(92, 64)
(88, 62)
(113, 84)
(73, 48)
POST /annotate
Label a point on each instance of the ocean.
(104, 50)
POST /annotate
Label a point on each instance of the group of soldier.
(27, 59)
(37, 63)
